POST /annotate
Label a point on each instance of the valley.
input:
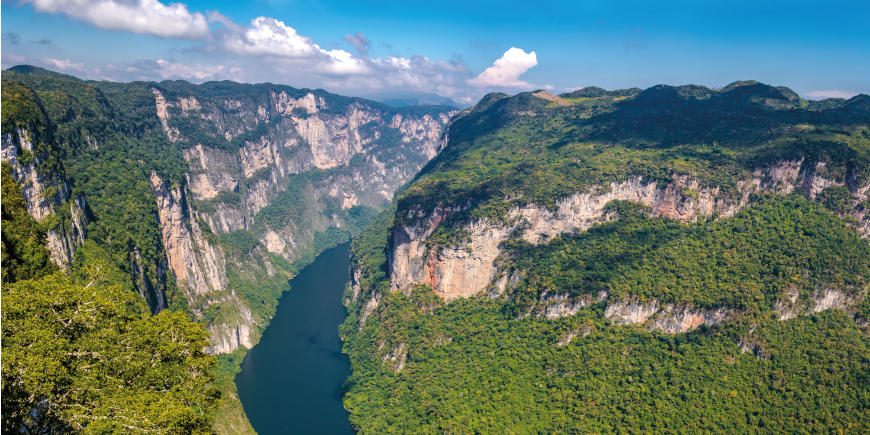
(665, 259)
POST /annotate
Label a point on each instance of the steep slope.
(204, 198)
(535, 273)
(44, 185)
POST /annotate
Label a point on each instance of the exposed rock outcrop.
(452, 272)
(195, 262)
(163, 115)
(462, 271)
(667, 317)
(554, 306)
(47, 194)
(199, 267)
(823, 299)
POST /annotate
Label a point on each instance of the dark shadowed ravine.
(291, 380)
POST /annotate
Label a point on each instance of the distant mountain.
(661, 260)
(37, 71)
(418, 100)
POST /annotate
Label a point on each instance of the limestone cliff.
(199, 267)
(283, 166)
(360, 152)
(460, 271)
(47, 196)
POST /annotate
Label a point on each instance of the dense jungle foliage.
(472, 369)
(745, 262)
(497, 365)
(75, 359)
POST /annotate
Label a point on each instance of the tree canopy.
(76, 359)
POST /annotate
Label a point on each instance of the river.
(291, 380)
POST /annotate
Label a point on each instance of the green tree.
(24, 255)
(75, 359)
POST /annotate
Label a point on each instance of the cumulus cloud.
(271, 37)
(506, 71)
(268, 36)
(137, 16)
(819, 95)
(359, 42)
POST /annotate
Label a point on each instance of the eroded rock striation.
(47, 195)
(462, 271)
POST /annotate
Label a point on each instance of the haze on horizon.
(459, 50)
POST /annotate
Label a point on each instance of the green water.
(291, 380)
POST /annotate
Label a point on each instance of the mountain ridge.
(532, 272)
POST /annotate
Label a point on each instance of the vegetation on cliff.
(745, 262)
(510, 151)
(24, 253)
(472, 369)
(79, 354)
(495, 363)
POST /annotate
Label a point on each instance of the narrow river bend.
(291, 380)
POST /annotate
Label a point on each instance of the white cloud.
(506, 70)
(137, 16)
(198, 72)
(66, 64)
(818, 95)
(267, 49)
(271, 37)
(420, 74)
(268, 36)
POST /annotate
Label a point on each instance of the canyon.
(243, 147)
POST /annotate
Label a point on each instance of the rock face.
(356, 152)
(462, 271)
(452, 272)
(821, 300)
(47, 194)
(196, 264)
(667, 318)
(199, 268)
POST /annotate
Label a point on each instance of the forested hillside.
(196, 199)
(668, 259)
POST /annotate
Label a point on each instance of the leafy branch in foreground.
(75, 359)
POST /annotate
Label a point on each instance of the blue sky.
(457, 49)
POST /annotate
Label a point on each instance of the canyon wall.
(47, 196)
(471, 267)
(307, 165)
